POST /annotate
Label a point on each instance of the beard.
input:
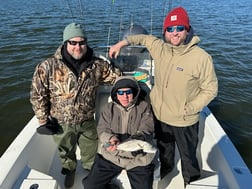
(77, 56)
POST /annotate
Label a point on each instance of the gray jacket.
(136, 119)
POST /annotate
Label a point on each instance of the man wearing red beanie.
(185, 82)
(177, 16)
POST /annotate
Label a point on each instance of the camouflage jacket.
(57, 92)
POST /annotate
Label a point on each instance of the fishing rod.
(69, 8)
(169, 3)
(110, 24)
(82, 18)
(151, 18)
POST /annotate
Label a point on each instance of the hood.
(184, 48)
(124, 82)
(189, 36)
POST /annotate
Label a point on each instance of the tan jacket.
(185, 79)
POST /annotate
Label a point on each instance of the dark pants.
(103, 171)
(186, 139)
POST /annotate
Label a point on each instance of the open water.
(30, 31)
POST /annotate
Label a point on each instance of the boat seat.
(37, 180)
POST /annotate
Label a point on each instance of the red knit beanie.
(177, 17)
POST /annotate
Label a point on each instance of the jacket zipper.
(167, 80)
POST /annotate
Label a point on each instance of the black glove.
(49, 128)
(144, 137)
(135, 153)
(138, 137)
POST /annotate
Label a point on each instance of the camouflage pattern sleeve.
(39, 94)
(109, 72)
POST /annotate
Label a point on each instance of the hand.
(137, 152)
(114, 140)
(110, 147)
(114, 50)
(112, 144)
(49, 128)
(138, 137)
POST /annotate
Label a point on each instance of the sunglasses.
(77, 42)
(172, 28)
(126, 92)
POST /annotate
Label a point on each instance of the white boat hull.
(32, 159)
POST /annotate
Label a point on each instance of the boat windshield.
(133, 60)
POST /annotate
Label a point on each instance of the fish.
(134, 145)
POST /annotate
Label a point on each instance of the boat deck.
(32, 161)
(173, 180)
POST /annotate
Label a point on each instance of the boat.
(31, 161)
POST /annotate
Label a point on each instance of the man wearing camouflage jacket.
(63, 94)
